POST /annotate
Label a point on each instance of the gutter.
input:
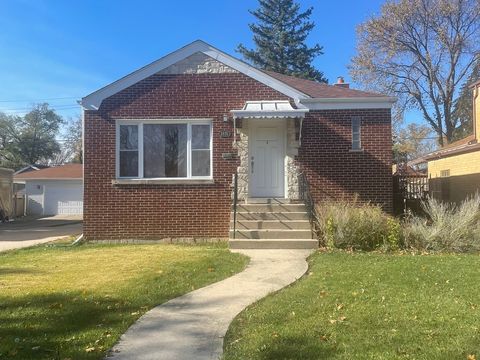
(365, 100)
(446, 153)
(346, 103)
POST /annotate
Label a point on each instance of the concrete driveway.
(32, 231)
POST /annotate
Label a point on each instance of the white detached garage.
(53, 191)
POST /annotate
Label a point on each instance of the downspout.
(475, 124)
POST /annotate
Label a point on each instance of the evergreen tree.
(463, 109)
(280, 36)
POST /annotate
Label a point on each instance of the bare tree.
(71, 148)
(411, 142)
(421, 51)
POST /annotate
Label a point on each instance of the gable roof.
(94, 100)
(302, 91)
(63, 172)
(315, 89)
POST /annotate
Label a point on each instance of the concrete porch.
(271, 223)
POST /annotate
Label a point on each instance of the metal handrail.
(306, 196)
(235, 200)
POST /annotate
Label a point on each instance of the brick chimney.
(476, 110)
(341, 82)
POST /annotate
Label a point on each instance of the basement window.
(164, 149)
(356, 134)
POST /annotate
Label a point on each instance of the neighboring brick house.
(163, 143)
(454, 170)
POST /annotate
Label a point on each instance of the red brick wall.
(162, 211)
(159, 211)
(336, 172)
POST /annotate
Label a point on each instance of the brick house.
(163, 143)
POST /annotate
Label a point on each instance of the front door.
(267, 158)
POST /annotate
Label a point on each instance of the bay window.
(164, 149)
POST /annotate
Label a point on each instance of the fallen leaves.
(338, 320)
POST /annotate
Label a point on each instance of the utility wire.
(35, 100)
(70, 107)
(52, 106)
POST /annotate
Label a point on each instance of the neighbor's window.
(445, 173)
(161, 149)
(356, 134)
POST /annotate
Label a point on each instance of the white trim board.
(94, 100)
(140, 174)
(384, 102)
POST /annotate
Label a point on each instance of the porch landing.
(265, 223)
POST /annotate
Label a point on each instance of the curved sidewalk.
(193, 326)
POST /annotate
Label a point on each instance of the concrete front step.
(297, 215)
(271, 224)
(272, 234)
(271, 208)
(272, 244)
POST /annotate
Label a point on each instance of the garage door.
(63, 198)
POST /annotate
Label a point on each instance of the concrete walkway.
(33, 231)
(193, 326)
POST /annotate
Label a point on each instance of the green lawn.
(75, 302)
(367, 306)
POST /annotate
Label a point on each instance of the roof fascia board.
(44, 178)
(451, 152)
(385, 102)
(94, 100)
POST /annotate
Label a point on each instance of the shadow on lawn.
(59, 326)
(297, 347)
(15, 271)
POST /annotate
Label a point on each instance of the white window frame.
(359, 119)
(140, 123)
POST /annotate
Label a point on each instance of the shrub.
(447, 227)
(350, 225)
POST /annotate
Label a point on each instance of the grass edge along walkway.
(75, 302)
(367, 306)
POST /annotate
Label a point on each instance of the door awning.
(268, 109)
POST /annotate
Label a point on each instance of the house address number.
(225, 134)
(228, 156)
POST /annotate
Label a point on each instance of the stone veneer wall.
(291, 166)
(198, 63)
(293, 192)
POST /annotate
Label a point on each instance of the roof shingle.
(319, 90)
(68, 171)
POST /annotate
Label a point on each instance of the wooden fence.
(408, 193)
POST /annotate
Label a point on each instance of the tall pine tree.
(279, 36)
(463, 109)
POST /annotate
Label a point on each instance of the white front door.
(266, 158)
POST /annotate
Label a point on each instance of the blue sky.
(61, 50)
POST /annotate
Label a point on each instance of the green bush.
(350, 225)
(447, 227)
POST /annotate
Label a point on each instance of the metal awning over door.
(276, 109)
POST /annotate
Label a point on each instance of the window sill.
(356, 151)
(162, 181)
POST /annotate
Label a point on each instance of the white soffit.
(94, 100)
(268, 109)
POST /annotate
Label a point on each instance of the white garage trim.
(54, 197)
